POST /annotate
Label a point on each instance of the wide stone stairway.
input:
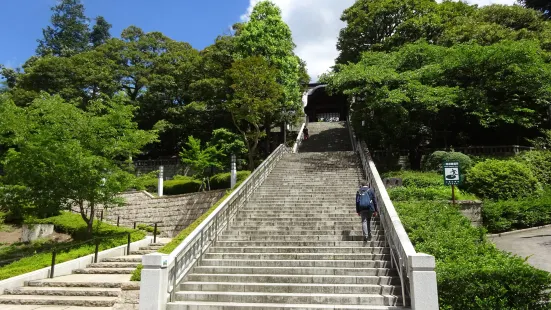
(99, 285)
(297, 244)
(327, 137)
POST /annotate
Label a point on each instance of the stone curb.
(517, 231)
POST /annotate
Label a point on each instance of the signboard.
(452, 174)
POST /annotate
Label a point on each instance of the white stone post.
(154, 282)
(160, 184)
(422, 282)
(233, 171)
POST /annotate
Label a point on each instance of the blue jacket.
(371, 192)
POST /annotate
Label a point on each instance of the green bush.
(223, 180)
(501, 180)
(517, 214)
(433, 162)
(471, 272)
(416, 178)
(539, 163)
(427, 193)
(72, 224)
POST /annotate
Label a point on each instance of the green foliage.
(541, 5)
(146, 181)
(53, 143)
(148, 228)
(137, 273)
(501, 180)
(539, 163)
(433, 162)
(223, 180)
(200, 159)
(227, 143)
(517, 213)
(100, 32)
(428, 193)
(416, 178)
(471, 272)
(256, 93)
(543, 142)
(69, 223)
(180, 186)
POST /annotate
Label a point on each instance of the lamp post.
(233, 171)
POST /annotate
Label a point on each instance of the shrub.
(427, 193)
(471, 272)
(539, 163)
(517, 214)
(433, 162)
(223, 180)
(416, 178)
(501, 179)
(74, 225)
(181, 185)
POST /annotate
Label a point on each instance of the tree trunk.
(415, 156)
(90, 228)
(268, 129)
(251, 160)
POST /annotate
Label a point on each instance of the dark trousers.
(366, 222)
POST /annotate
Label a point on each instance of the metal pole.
(53, 264)
(155, 234)
(453, 194)
(101, 216)
(96, 251)
(128, 245)
(118, 220)
(134, 225)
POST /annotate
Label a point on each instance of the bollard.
(160, 184)
(53, 264)
(155, 234)
(128, 245)
(96, 251)
(233, 179)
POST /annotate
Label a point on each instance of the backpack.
(366, 199)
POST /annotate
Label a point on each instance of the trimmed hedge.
(539, 162)
(501, 180)
(175, 242)
(471, 272)
(416, 178)
(223, 180)
(427, 193)
(433, 162)
(517, 214)
(68, 223)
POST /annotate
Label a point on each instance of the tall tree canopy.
(541, 5)
(100, 32)
(69, 33)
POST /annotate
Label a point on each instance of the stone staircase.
(297, 244)
(327, 137)
(99, 285)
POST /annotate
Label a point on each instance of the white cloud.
(316, 24)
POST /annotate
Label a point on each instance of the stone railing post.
(154, 282)
(233, 171)
(422, 279)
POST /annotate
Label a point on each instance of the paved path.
(535, 242)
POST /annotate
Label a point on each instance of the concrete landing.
(533, 243)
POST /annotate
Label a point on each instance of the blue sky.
(195, 21)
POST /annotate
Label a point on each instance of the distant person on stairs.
(305, 132)
(366, 207)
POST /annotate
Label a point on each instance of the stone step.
(354, 233)
(351, 217)
(298, 256)
(298, 238)
(142, 252)
(104, 271)
(150, 248)
(279, 278)
(114, 265)
(297, 263)
(80, 301)
(310, 243)
(198, 305)
(298, 298)
(292, 288)
(79, 280)
(65, 291)
(304, 249)
(337, 271)
(307, 226)
(128, 258)
(324, 214)
(308, 207)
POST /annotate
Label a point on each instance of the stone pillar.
(154, 282)
(233, 171)
(160, 184)
(422, 282)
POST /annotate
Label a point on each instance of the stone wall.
(471, 209)
(174, 213)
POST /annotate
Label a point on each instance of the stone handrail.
(416, 270)
(161, 274)
(300, 138)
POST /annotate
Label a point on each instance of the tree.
(255, 95)
(68, 157)
(69, 33)
(100, 32)
(543, 6)
(228, 143)
(267, 35)
(200, 159)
